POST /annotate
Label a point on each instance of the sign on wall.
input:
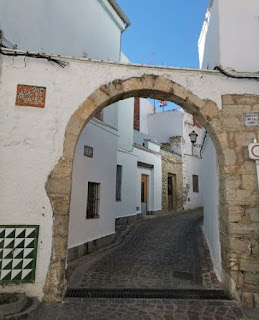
(30, 96)
(253, 149)
(88, 151)
(251, 120)
(18, 252)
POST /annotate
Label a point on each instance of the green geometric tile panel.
(18, 253)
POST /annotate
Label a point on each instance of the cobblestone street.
(163, 252)
(159, 253)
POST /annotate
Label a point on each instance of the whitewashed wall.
(75, 28)
(145, 108)
(193, 167)
(188, 128)
(229, 36)
(127, 205)
(210, 185)
(100, 169)
(125, 124)
(164, 125)
(209, 41)
(154, 181)
(239, 34)
(110, 114)
(192, 162)
(125, 119)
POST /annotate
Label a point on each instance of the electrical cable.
(235, 76)
(61, 63)
(203, 143)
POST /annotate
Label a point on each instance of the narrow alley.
(166, 252)
(159, 253)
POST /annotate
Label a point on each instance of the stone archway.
(58, 186)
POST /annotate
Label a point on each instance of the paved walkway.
(120, 309)
(164, 252)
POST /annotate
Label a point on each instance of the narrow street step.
(194, 294)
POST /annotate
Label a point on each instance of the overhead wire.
(229, 75)
(61, 63)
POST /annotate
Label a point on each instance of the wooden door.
(144, 193)
(171, 192)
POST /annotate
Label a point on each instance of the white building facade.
(174, 127)
(74, 30)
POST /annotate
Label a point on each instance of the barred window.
(118, 182)
(195, 183)
(93, 200)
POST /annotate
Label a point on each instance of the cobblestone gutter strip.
(141, 309)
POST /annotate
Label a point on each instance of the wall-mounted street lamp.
(193, 136)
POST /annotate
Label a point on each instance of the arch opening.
(59, 182)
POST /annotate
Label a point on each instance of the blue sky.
(163, 32)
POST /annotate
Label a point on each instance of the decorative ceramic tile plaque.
(30, 96)
(18, 253)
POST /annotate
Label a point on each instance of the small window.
(118, 182)
(93, 200)
(195, 183)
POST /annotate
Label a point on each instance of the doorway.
(171, 192)
(144, 194)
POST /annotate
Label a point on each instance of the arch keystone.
(131, 85)
(164, 85)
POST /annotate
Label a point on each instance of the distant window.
(93, 200)
(118, 182)
(195, 183)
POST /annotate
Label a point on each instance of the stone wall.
(173, 164)
(239, 200)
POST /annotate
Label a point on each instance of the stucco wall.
(154, 180)
(209, 41)
(63, 28)
(229, 36)
(164, 125)
(125, 124)
(193, 167)
(127, 205)
(187, 129)
(100, 169)
(210, 195)
(146, 108)
(242, 16)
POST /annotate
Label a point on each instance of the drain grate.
(195, 294)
